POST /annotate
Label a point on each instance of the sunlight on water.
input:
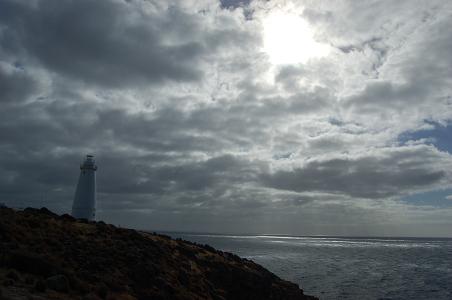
(349, 268)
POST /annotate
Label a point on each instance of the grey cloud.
(108, 42)
(424, 69)
(385, 173)
(389, 95)
(421, 80)
(172, 178)
(234, 3)
(165, 166)
(15, 84)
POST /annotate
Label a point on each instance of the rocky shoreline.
(47, 256)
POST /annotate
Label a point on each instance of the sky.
(277, 117)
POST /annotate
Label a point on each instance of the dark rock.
(58, 283)
(29, 280)
(102, 290)
(96, 260)
(45, 211)
(33, 297)
(2, 295)
(13, 275)
(8, 282)
(68, 218)
(40, 286)
(90, 296)
(31, 263)
(78, 285)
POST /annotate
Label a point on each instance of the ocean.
(345, 267)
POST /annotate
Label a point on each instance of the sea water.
(348, 268)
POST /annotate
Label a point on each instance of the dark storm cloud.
(379, 175)
(125, 175)
(15, 84)
(104, 42)
(33, 160)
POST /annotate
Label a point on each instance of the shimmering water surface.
(348, 268)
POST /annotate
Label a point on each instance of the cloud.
(113, 43)
(96, 42)
(191, 124)
(381, 173)
(16, 85)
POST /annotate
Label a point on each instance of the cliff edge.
(46, 256)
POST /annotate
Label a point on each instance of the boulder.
(58, 283)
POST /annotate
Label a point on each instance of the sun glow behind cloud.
(289, 39)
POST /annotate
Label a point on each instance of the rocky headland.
(47, 256)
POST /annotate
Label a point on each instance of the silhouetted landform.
(46, 256)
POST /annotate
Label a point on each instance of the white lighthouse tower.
(84, 206)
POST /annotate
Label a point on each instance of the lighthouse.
(84, 206)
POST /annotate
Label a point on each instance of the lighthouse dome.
(89, 163)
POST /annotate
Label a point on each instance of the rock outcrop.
(46, 256)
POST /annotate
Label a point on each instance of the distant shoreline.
(301, 236)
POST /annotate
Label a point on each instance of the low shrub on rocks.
(64, 258)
